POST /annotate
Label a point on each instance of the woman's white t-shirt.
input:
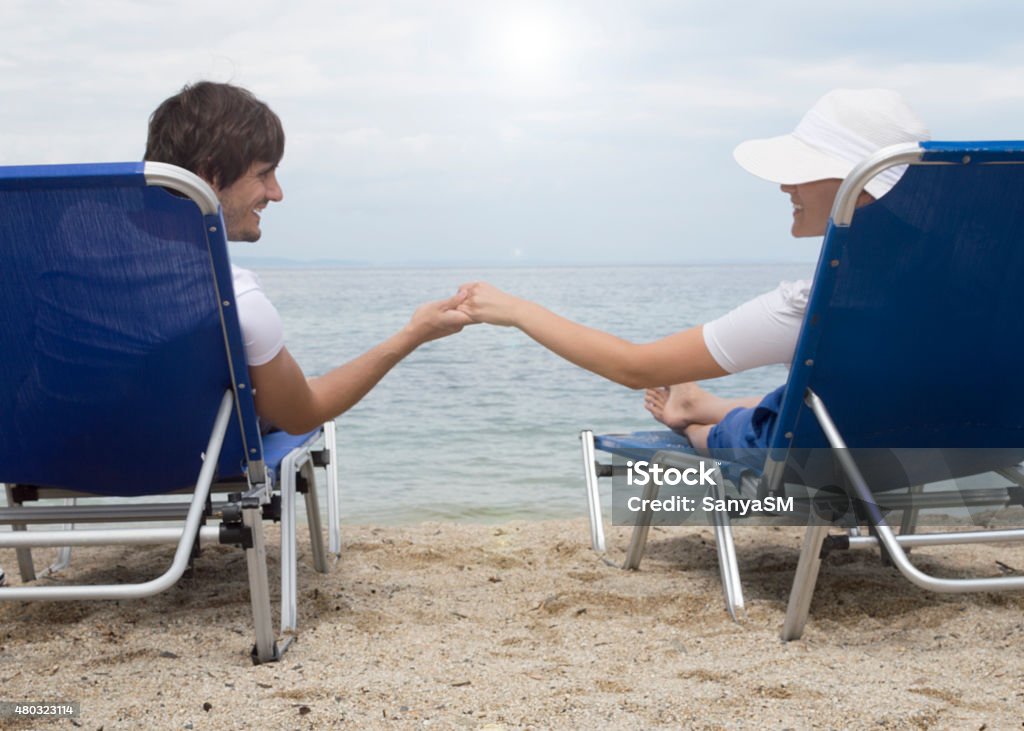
(762, 331)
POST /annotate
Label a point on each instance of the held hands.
(486, 303)
(439, 319)
(474, 302)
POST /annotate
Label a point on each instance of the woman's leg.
(698, 436)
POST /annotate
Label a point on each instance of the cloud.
(410, 125)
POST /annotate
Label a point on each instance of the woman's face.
(812, 204)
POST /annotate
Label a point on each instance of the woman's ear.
(864, 198)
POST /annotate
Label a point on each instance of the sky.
(442, 132)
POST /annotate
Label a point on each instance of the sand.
(522, 626)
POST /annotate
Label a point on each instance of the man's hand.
(439, 319)
(486, 303)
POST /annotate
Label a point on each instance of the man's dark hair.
(215, 130)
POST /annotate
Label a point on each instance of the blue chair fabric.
(97, 335)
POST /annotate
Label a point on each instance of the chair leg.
(641, 528)
(803, 582)
(289, 569)
(593, 493)
(316, 536)
(728, 566)
(908, 521)
(26, 567)
(333, 509)
(265, 649)
(290, 471)
(64, 553)
(63, 558)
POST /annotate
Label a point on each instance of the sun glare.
(529, 46)
(529, 43)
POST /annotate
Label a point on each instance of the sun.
(529, 46)
(529, 42)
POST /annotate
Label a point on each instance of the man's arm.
(290, 401)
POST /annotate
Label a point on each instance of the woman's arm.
(678, 358)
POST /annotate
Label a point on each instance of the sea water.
(484, 425)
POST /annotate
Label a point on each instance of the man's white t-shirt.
(762, 331)
(262, 330)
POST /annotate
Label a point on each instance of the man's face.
(243, 200)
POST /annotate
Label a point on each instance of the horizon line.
(272, 262)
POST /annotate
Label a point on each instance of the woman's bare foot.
(679, 406)
(672, 406)
(654, 401)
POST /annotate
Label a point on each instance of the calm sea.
(484, 425)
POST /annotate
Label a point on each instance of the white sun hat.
(840, 130)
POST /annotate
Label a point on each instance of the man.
(234, 142)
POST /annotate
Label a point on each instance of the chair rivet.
(213, 229)
(226, 303)
(789, 435)
(834, 263)
(809, 362)
(253, 450)
(967, 159)
(241, 386)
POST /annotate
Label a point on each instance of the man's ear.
(203, 171)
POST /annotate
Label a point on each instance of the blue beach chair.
(125, 377)
(906, 371)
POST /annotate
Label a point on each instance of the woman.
(842, 128)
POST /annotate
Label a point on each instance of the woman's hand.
(486, 303)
